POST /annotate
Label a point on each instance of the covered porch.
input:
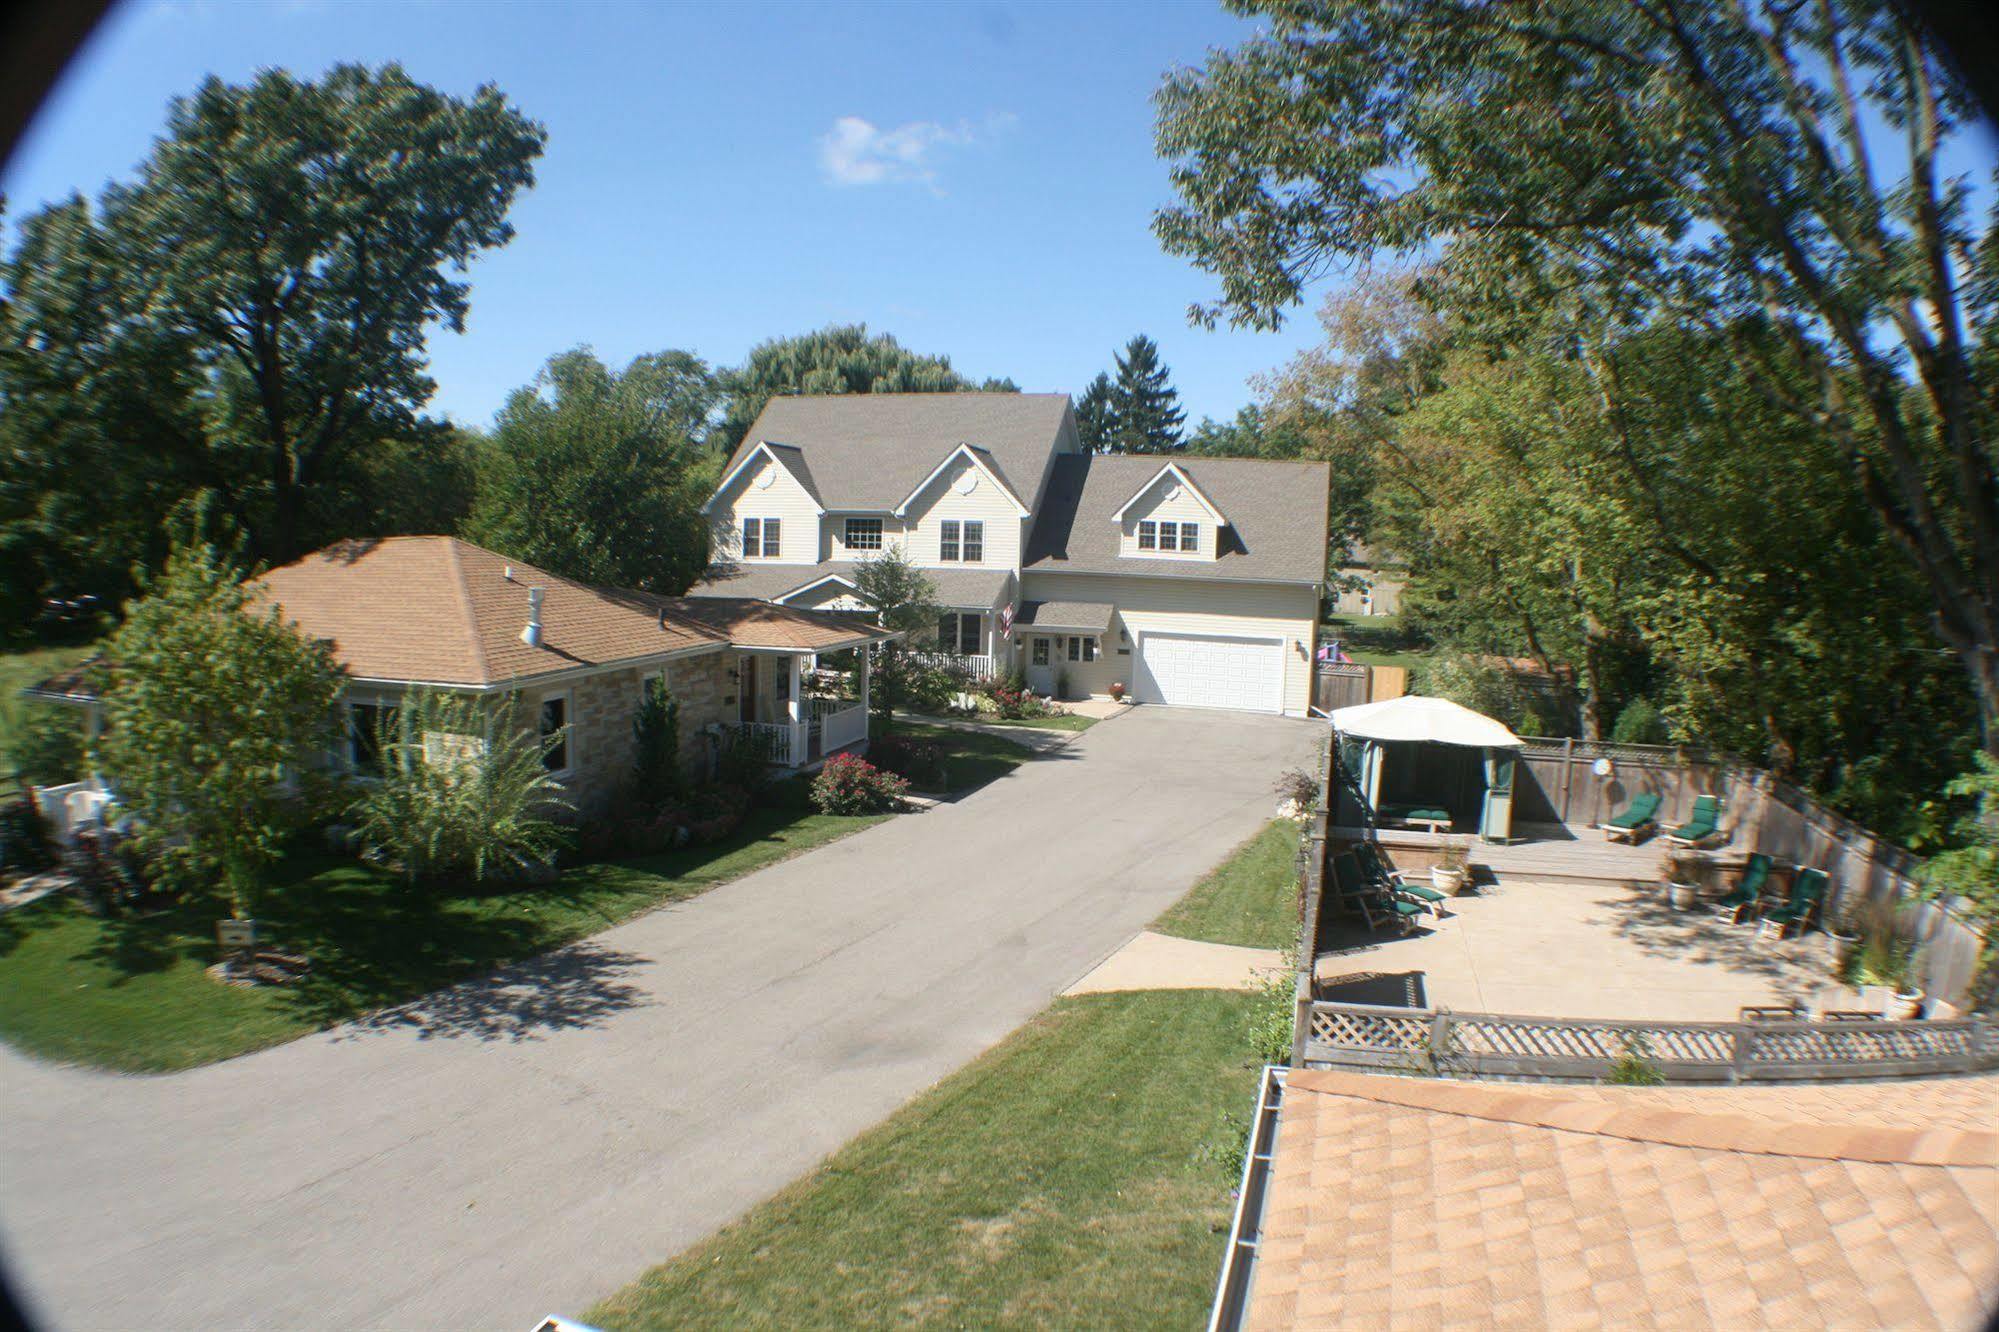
(799, 708)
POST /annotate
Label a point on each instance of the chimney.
(531, 635)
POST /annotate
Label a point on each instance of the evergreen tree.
(1145, 408)
(1096, 417)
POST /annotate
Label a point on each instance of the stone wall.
(706, 695)
(602, 708)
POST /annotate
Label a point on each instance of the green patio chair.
(1705, 822)
(1637, 819)
(1748, 888)
(1376, 870)
(1807, 891)
(1373, 904)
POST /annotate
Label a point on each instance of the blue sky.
(976, 178)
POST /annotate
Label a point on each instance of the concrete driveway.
(527, 1144)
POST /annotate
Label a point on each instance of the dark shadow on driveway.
(576, 987)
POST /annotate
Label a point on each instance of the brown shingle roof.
(444, 611)
(1412, 1202)
(1277, 514)
(869, 450)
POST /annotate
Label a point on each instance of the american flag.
(1006, 618)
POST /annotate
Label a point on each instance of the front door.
(1041, 665)
(746, 689)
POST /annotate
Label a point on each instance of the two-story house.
(1190, 580)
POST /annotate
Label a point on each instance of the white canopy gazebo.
(1369, 733)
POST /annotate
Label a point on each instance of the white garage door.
(1196, 670)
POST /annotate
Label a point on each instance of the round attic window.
(766, 477)
(968, 481)
(1173, 491)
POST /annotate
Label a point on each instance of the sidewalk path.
(1164, 962)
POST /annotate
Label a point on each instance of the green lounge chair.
(1374, 869)
(1374, 905)
(1636, 820)
(1807, 891)
(1705, 822)
(1412, 815)
(1748, 888)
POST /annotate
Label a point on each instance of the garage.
(1211, 671)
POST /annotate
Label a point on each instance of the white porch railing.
(838, 722)
(778, 741)
(980, 666)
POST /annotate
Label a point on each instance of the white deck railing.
(980, 666)
(839, 729)
(779, 741)
(839, 721)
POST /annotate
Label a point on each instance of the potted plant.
(1909, 994)
(1841, 927)
(1453, 868)
(1117, 691)
(1684, 873)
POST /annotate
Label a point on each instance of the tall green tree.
(1096, 415)
(247, 315)
(213, 705)
(1766, 171)
(599, 475)
(840, 358)
(905, 600)
(1145, 414)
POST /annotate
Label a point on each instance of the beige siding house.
(1190, 581)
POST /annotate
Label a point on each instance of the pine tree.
(1146, 415)
(1096, 415)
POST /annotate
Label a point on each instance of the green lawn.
(1064, 1179)
(1068, 721)
(970, 759)
(1376, 640)
(132, 994)
(19, 670)
(1249, 899)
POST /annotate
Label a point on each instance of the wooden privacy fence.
(1439, 1041)
(1342, 684)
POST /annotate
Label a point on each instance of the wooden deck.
(1541, 851)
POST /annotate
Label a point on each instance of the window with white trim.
(962, 633)
(1040, 652)
(1148, 535)
(1082, 649)
(864, 534)
(554, 724)
(961, 541)
(1169, 536)
(761, 538)
(975, 542)
(1190, 536)
(947, 540)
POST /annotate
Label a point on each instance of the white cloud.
(856, 152)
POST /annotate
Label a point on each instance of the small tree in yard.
(464, 793)
(213, 704)
(656, 742)
(905, 600)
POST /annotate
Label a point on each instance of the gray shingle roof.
(1083, 617)
(1277, 512)
(955, 587)
(869, 450)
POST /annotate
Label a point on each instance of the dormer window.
(1169, 536)
(1190, 536)
(1148, 535)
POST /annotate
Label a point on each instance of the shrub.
(1634, 1068)
(743, 761)
(1297, 787)
(921, 761)
(464, 793)
(25, 843)
(927, 688)
(1274, 1017)
(656, 741)
(849, 784)
(1640, 723)
(47, 747)
(110, 871)
(1019, 704)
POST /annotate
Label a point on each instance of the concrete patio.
(1564, 948)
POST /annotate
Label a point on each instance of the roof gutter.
(1239, 1262)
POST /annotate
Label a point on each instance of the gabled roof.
(787, 456)
(979, 458)
(869, 450)
(1276, 531)
(438, 610)
(1172, 469)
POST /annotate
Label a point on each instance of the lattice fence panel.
(1584, 1040)
(1834, 1043)
(1347, 1030)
